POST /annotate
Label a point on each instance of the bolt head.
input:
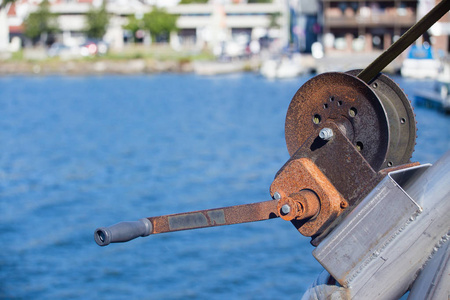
(286, 209)
(276, 196)
(326, 134)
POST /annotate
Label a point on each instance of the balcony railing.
(377, 20)
(366, 16)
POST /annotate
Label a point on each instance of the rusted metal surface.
(384, 172)
(373, 128)
(299, 206)
(215, 217)
(303, 174)
(350, 104)
(340, 161)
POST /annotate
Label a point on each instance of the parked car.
(63, 51)
(92, 48)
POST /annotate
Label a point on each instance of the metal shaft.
(216, 217)
(404, 41)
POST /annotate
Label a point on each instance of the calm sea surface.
(77, 153)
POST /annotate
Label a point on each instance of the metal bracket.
(355, 247)
(300, 175)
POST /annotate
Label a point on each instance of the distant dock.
(338, 62)
(432, 99)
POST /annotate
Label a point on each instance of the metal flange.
(299, 179)
(400, 117)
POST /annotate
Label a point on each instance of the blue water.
(78, 153)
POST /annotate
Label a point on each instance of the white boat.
(286, 67)
(210, 68)
(438, 98)
(420, 63)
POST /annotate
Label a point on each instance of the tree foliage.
(273, 23)
(40, 22)
(97, 21)
(134, 25)
(158, 22)
(4, 2)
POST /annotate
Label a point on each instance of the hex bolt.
(276, 196)
(326, 134)
(285, 209)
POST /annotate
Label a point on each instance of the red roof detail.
(12, 10)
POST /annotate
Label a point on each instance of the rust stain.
(300, 183)
(215, 217)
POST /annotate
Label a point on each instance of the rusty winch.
(344, 133)
(343, 136)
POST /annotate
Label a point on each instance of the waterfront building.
(354, 26)
(71, 18)
(439, 32)
(365, 26)
(200, 25)
(231, 25)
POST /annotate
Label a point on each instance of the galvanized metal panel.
(390, 269)
(434, 280)
(358, 242)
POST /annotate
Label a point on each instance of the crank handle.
(126, 231)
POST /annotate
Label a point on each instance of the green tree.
(4, 2)
(159, 23)
(134, 25)
(97, 21)
(273, 23)
(41, 24)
